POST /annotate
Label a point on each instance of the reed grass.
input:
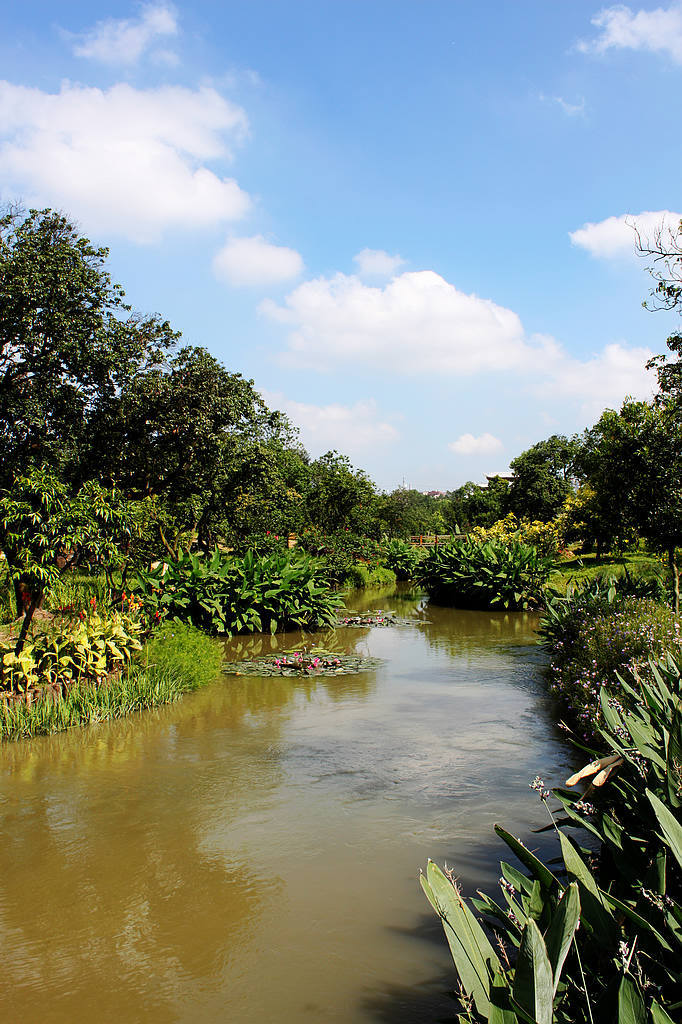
(178, 660)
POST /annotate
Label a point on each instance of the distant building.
(434, 494)
(507, 475)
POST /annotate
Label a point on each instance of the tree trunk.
(676, 578)
(35, 600)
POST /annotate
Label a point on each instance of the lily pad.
(303, 663)
(346, 619)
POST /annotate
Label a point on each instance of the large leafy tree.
(340, 496)
(609, 459)
(68, 342)
(472, 505)
(190, 433)
(542, 478)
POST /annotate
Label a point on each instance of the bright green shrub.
(360, 575)
(496, 574)
(185, 651)
(253, 594)
(403, 558)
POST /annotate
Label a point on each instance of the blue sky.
(406, 220)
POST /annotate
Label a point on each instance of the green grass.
(185, 651)
(585, 567)
(177, 660)
(363, 576)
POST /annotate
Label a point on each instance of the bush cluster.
(254, 594)
(596, 636)
(503, 574)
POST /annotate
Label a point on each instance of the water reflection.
(251, 853)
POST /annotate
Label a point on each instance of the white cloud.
(350, 428)
(124, 161)
(570, 109)
(602, 381)
(417, 323)
(659, 31)
(420, 323)
(467, 444)
(377, 263)
(123, 41)
(616, 237)
(253, 261)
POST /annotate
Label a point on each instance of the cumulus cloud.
(417, 323)
(570, 109)
(351, 428)
(468, 444)
(616, 237)
(124, 161)
(377, 263)
(125, 40)
(603, 380)
(254, 261)
(659, 30)
(420, 323)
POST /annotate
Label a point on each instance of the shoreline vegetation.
(150, 502)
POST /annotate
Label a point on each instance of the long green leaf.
(538, 869)
(560, 933)
(533, 979)
(631, 1009)
(672, 829)
(472, 953)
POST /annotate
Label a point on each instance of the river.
(252, 852)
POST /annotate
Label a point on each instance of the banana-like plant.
(600, 939)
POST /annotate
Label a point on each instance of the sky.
(410, 222)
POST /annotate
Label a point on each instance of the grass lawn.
(583, 567)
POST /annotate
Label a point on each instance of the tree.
(542, 478)
(45, 529)
(68, 342)
(609, 458)
(190, 433)
(472, 505)
(341, 496)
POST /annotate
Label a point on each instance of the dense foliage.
(593, 643)
(256, 593)
(504, 574)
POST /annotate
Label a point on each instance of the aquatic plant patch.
(500, 574)
(372, 618)
(303, 663)
(86, 703)
(254, 594)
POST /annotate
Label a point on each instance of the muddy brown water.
(252, 852)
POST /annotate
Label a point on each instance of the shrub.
(363, 576)
(340, 551)
(605, 943)
(543, 536)
(253, 594)
(494, 574)
(595, 636)
(82, 649)
(186, 652)
(403, 558)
